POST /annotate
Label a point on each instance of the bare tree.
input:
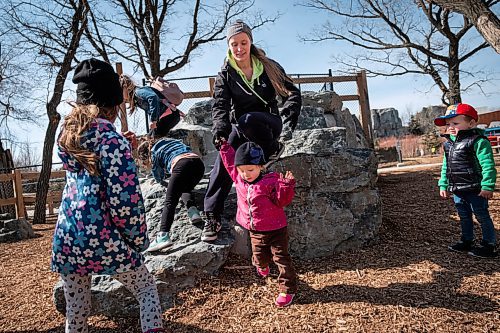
(399, 37)
(16, 85)
(50, 33)
(160, 37)
(25, 154)
(480, 14)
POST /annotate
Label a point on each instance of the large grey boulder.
(200, 114)
(334, 115)
(12, 230)
(336, 207)
(327, 100)
(311, 117)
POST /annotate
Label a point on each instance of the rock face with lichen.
(386, 122)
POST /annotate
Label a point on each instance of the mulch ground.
(405, 282)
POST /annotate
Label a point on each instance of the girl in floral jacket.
(101, 227)
(261, 198)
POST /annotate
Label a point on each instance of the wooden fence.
(6, 188)
(21, 199)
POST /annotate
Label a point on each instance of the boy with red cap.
(469, 173)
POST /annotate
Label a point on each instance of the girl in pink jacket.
(261, 198)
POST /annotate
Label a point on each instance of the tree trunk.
(489, 27)
(480, 14)
(42, 187)
(453, 93)
(78, 24)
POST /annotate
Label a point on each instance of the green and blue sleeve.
(485, 157)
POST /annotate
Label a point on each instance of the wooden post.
(123, 108)
(50, 204)
(330, 75)
(18, 185)
(6, 187)
(211, 83)
(364, 106)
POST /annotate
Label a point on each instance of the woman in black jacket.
(246, 109)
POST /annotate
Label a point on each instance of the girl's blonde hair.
(75, 124)
(275, 74)
(127, 83)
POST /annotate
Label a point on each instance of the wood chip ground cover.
(405, 282)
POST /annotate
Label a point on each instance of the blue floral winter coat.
(101, 226)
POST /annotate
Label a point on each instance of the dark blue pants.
(468, 203)
(262, 128)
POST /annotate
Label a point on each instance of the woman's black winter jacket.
(233, 98)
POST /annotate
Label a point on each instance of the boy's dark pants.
(468, 203)
(186, 174)
(262, 128)
(270, 246)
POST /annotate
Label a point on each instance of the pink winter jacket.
(260, 205)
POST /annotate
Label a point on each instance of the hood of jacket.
(257, 67)
(91, 141)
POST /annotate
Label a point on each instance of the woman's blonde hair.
(127, 83)
(74, 126)
(275, 74)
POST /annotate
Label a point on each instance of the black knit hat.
(237, 27)
(98, 83)
(249, 153)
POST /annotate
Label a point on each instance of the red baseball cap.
(456, 110)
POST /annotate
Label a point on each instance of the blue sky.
(281, 42)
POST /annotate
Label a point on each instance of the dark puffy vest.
(462, 166)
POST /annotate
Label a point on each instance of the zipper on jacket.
(250, 207)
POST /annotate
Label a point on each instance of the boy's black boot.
(484, 250)
(462, 246)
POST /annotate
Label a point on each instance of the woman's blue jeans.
(468, 203)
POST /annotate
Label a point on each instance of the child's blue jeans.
(468, 203)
